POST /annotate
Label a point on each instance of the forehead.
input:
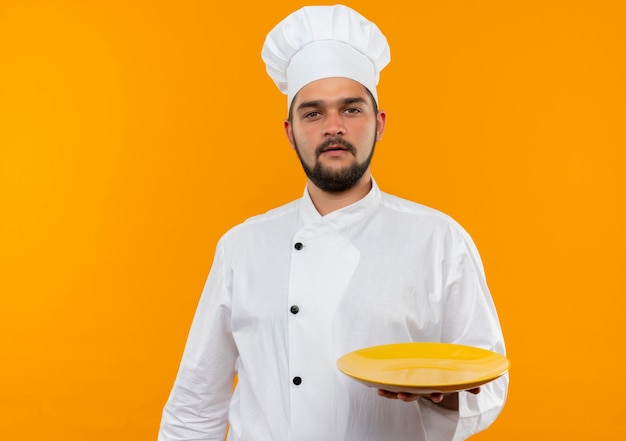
(331, 90)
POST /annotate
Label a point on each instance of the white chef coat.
(290, 291)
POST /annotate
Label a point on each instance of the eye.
(311, 115)
(352, 110)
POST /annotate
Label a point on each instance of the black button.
(298, 246)
(294, 309)
(297, 381)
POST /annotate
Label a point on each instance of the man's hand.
(447, 401)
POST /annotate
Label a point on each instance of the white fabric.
(383, 270)
(318, 42)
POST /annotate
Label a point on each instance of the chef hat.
(318, 42)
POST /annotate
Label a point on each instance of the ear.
(381, 120)
(289, 132)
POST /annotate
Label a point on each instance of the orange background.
(134, 133)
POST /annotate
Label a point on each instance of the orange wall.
(134, 133)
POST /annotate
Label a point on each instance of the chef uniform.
(290, 291)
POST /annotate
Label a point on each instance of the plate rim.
(425, 387)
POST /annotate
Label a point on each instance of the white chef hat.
(318, 42)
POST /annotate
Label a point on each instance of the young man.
(344, 267)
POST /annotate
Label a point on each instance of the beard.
(330, 180)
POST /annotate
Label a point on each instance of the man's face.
(334, 128)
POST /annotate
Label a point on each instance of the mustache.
(334, 141)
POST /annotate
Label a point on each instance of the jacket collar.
(311, 222)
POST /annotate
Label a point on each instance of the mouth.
(334, 152)
(335, 147)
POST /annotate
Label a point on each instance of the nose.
(334, 125)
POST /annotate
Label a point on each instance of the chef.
(344, 267)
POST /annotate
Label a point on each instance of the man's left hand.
(447, 401)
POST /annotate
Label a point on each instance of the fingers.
(408, 397)
(402, 396)
(436, 397)
(387, 394)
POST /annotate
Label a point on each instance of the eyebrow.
(342, 101)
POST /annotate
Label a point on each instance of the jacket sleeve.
(197, 407)
(470, 318)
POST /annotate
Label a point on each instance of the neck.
(326, 202)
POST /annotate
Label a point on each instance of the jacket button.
(297, 381)
(294, 309)
(298, 246)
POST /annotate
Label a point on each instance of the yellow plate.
(423, 367)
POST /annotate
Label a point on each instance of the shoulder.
(414, 211)
(276, 219)
(410, 217)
